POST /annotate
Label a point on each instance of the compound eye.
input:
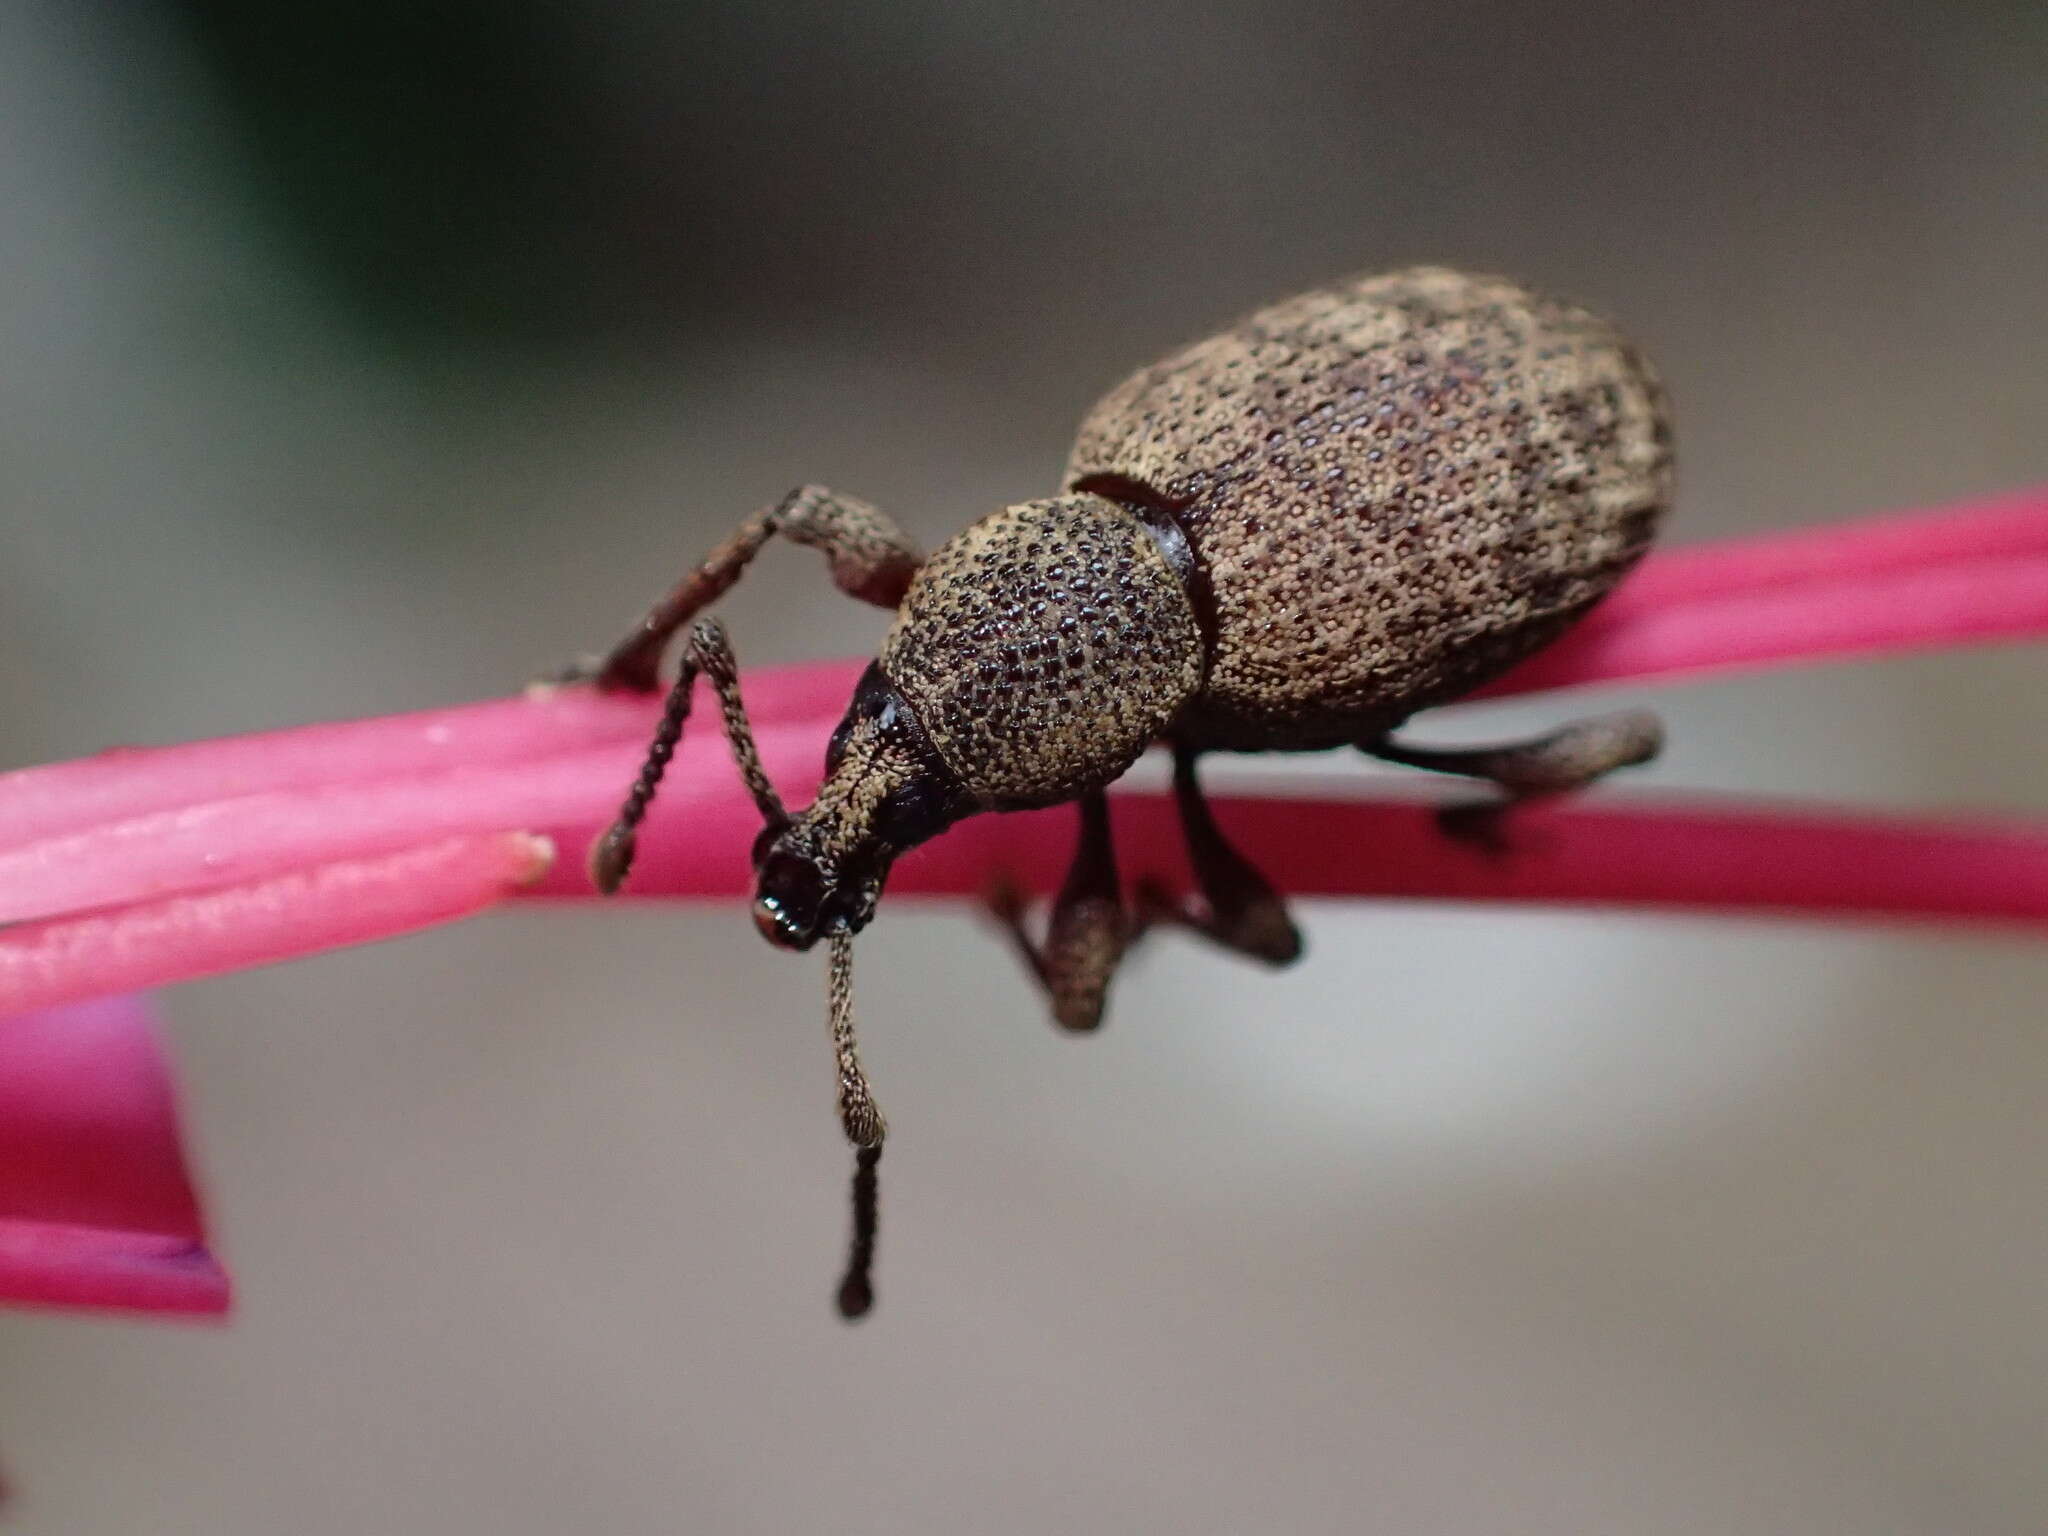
(788, 899)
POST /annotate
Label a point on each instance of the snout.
(802, 893)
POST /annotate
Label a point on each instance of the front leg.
(710, 652)
(1089, 930)
(871, 559)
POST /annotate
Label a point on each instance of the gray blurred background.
(362, 357)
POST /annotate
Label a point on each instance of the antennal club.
(864, 1127)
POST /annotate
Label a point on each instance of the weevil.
(1293, 536)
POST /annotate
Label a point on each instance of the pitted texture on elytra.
(1396, 487)
(1043, 648)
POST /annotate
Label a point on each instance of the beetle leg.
(1235, 905)
(871, 559)
(709, 651)
(1568, 758)
(1089, 930)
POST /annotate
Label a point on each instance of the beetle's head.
(885, 791)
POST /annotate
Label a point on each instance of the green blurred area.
(433, 164)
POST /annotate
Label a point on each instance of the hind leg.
(1568, 758)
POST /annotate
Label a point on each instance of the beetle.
(1349, 507)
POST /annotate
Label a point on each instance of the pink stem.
(228, 842)
(1995, 528)
(1975, 572)
(1691, 855)
(231, 842)
(1637, 636)
(142, 826)
(128, 782)
(300, 913)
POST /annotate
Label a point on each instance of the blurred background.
(362, 357)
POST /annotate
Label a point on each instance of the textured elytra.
(1043, 648)
(1395, 487)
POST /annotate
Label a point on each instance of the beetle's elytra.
(1349, 507)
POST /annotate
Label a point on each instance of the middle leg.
(1556, 763)
(1234, 905)
(1091, 930)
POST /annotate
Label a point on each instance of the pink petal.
(57, 1266)
(155, 943)
(96, 1206)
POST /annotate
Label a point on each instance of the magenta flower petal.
(58, 1266)
(96, 1206)
(356, 901)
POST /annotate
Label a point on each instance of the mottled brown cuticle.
(1351, 506)
(1398, 486)
(1044, 648)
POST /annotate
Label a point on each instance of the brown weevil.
(1350, 507)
